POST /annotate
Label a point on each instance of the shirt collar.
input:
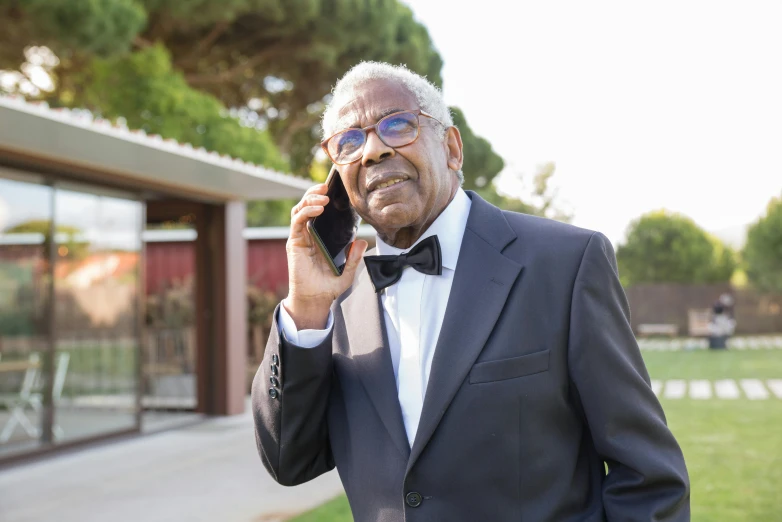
(448, 227)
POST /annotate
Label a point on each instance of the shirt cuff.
(302, 338)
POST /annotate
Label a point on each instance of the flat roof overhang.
(35, 134)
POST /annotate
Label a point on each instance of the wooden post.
(221, 309)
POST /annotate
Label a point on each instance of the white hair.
(429, 97)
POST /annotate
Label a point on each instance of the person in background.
(727, 301)
(721, 326)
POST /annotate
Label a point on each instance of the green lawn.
(714, 364)
(733, 451)
(733, 448)
(336, 510)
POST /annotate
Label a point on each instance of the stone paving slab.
(775, 385)
(759, 342)
(727, 389)
(674, 389)
(754, 389)
(207, 472)
(700, 390)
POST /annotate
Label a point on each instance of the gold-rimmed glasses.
(395, 130)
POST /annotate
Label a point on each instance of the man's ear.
(453, 148)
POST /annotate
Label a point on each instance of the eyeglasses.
(395, 130)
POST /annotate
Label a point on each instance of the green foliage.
(313, 44)
(143, 88)
(270, 213)
(506, 202)
(763, 251)
(76, 245)
(543, 201)
(17, 298)
(481, 163)
(171, 306)
(664, 247)
(280, 56)
(103, 27)
(171, 67)
(725, 261)
(261, 304)
(99, 27)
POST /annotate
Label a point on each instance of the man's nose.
(375, 150)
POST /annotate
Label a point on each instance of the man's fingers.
(308, 201)
(315, 190)
(306, 213)
(320, 188)
(299, 220)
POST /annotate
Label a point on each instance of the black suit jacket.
(538, 406)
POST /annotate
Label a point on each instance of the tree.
(76, 246)
(145, 90)
(277, 59)
(665, 247)
(246, 78)
(172, 68)
(481, 163)
(763, 250)
(99, 27)
(542, 199)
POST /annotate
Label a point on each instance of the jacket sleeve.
(289, 409)
(647, 478)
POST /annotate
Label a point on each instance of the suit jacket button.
(413, 499)
(273, 393)
(274, 369)
(274, 381)
(275, 359)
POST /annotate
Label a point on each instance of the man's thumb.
(357, 250)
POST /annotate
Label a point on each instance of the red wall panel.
(267, 264)
(168, 262)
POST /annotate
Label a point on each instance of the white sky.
(642, 105)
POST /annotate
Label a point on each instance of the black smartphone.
(335, 229)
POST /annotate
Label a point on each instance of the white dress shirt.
(414, 309)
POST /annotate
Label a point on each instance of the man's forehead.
(358, 118)
(368, 103)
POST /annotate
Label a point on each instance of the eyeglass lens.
(395, 130)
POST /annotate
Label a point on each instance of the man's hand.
(312, 286)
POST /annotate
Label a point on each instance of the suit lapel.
(482, 282)
(370, 352)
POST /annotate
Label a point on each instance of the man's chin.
(392, 217)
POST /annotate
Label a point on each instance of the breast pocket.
(503, 369)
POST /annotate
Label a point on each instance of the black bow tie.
(425, 257)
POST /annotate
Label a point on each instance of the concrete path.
(207, 472)
(754, 389)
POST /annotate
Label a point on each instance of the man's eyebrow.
(388, 111)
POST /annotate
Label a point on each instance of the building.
(76, 198)
(170, 254)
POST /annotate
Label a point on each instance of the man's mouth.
(388, 182)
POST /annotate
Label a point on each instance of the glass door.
(25, 284)
(96, 310)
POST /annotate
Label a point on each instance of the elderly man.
(494, 378)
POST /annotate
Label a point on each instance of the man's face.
(423, 183)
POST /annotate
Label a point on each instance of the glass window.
(25, 224)
(96, 282)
